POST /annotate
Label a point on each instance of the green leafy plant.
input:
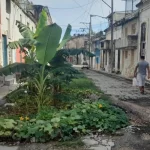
(64, 124)
(6, 127)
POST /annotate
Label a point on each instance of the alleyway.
(123, 91)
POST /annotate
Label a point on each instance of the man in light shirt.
(140, 72)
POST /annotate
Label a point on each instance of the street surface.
(119, 88)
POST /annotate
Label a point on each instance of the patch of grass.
(82, 83)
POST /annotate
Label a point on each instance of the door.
(118, 59)
(4, 47)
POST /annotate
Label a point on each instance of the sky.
(74, 12)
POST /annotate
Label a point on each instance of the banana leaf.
(24, 30)
(41, 23)
(66, 37)
(17, 67)
(48, 41)
(15, 45)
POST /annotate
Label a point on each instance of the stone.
(111, 144)
(104, 142)
(9, 104)
(119, 133)
(2, 102)
(90, 142)
(108, 147)
(33, 140)
(145, 136)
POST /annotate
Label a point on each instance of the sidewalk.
(4, 90)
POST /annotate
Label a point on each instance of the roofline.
(139, 4)
(115, 12)
(24, 12)
(124, 21)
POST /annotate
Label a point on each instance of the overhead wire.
(71, 7)
(90, 8)
(78, 17)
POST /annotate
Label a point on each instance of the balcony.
(106, 45)
(129, 42)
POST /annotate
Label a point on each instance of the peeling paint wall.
(9, 28)
(129, 61)
(145, 18)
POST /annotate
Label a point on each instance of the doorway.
(4, 48)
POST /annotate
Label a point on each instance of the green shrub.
(82, 83)
(65, 124)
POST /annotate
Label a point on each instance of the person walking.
(140, 73)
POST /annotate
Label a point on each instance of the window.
(85, 43)
(8, 6)
(21, 18)
(8, 27)
(126, 32)
(126, 54)
(102, 44)
(143, 39)
(133, 30)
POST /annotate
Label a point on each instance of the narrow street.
(137, 106)
(123, 94)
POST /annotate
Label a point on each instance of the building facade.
(10, 12)
(144, 29)
(126, 47)
(77, 42)
(131, 38)
(96, 50)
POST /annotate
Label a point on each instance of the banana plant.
(29, 38)
(44, 42)
(48, 43)
(66, 37)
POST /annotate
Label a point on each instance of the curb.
(141, 112)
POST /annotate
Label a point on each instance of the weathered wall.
(77, 42)
(145, 18)
(128, 62)
(13, 35)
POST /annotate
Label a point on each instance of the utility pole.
(89, 35)
(90, 26)
(112, 37)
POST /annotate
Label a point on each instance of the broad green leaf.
(24, 30)
(48, 41)
(40, 122)
(66, 37)
(15, 67)
(27, 42)
(15, 45)
(55, 120)
(41, 23)
(1, 133)
(7, 133)
(48, 128)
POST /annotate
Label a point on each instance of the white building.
(11, 11)
(144, 29)
(106, 46)
(126, 47)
